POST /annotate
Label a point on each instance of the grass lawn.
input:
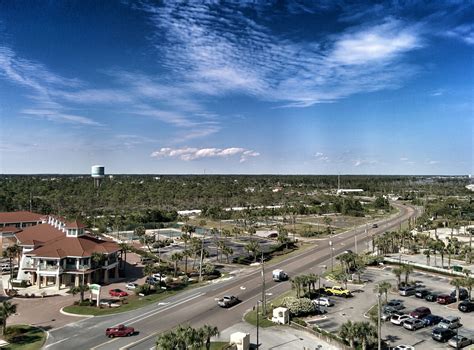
(133, 302)
(251, 316)
(24, 337)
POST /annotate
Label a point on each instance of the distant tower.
(97, 173)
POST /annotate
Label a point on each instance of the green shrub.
(299, 306)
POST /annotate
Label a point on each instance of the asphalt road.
(198, 306)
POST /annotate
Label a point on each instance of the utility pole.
(379, 327)
(202, 255)
(330, 248)
(258, 344)
(355, 238)
(264, 308)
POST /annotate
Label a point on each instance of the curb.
(73, 315)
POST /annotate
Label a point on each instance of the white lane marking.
(107, 342)
(59, 341)
(149, 315)
(153, 311)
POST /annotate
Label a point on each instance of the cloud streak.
(189, 153)
(227, 51)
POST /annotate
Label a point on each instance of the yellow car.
(338, 291)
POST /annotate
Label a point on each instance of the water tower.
(97, 173)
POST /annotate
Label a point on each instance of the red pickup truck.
(119, 331)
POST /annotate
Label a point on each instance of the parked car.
(463, 294)
(431, 320)
(375, 225)
(404, 347)
(387, 314)
(323, 301)
(450, 322)
(131, 285)
(466, 306)
(445, 299)
(119, 331)
(420, 312)
(228, 301)
(422, 293)
(338, 291)
(406, 291)
(117, 293)
(459, 341)
(432, 296)
(395, 304)
(156, 276)
(413, 324)
(442, 334)
(399, 319)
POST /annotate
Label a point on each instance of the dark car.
(431, 320)
(406, 291)
(420, 312)
(119, 331)
(442, 334)
(422, 293)
(463, 294)
(445, 299)
(466, 306)
(432, 296)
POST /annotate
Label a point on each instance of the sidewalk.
(277, 337)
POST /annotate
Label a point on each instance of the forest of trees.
(75, 195)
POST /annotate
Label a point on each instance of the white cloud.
(189, 153)
(54, 115)
(321, 157)
(433, 162)
(215, 50)
(464, 32)
(403, 159)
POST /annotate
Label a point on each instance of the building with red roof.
(64, 254)
(12, 222)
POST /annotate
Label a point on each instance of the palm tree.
(457, 283)
(167, 341)
(149, 270)
(227, 251)
(209, 332)
(348, 333)
(364, 331)
(6, 310)
(11, 252)
(253, 247)
(427, 252)
(327, 220)
(80, 289)
(407, 269)
(175, 258)
(296, 285)
(469, 284)
(185, 238)
(383, 288)
(398, 273)
(124, 247)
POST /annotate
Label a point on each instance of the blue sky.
(237, 87)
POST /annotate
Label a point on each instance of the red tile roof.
(82, 246)
(38, 234)
(75, 224)
(10, 229)
(19, 216)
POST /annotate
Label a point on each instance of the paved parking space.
(364, 298)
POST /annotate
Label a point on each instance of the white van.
(279, 275)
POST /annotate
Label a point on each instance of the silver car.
(459, 341)
(413, 324)
(323, 302)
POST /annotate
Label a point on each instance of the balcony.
(74, 267)
(50, 268)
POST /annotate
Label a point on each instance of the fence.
(423, 267)
(333, 340)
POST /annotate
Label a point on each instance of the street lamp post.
(331, 249)
(379, 326)
(258, 340)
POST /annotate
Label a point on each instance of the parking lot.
(364, 298)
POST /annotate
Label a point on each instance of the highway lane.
(198, 306)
